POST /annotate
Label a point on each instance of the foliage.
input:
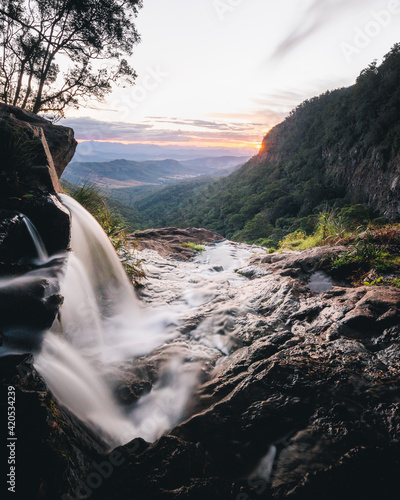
(375, 282)
(371, 253)
(113, 224)
(157, 208)
(300, 241)
(266, 242)
(54, 51)
(333, 226)
(193, 246)
(396, 282)
(381, 281)
(299, 172)
(130, 214)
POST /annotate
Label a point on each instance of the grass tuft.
(193, 246)
(114, 225)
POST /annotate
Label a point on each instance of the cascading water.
(102, 326)
(101, 310)
(102, 323)
(36, 239)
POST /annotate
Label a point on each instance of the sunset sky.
(223, 72)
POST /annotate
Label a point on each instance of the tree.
(59, 53)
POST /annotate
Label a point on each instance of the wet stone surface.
(297, 396)
(300, 388)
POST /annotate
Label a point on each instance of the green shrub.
(372, 253)
(332, 225)
(354, 216)
(299, 240)
(193, 246)
(113, 224)
(266, 242)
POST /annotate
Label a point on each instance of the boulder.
(48, 149)
(168, 241)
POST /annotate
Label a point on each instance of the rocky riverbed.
(300, 392)
(294, 381)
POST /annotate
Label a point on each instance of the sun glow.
(218, 143)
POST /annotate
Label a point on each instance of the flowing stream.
(103, 326)
(37, 240)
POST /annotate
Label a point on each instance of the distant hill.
(340, 148)
(127, 174)
(98, 151)
(216, 164)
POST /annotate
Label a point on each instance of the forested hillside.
(125, 174)
(333, 150)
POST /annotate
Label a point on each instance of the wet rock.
(57, 140)
(55, 452)
(364, 472)
(304, 405)
(29, 288)
(377, 310)
(168, 241)
(308, 380)
(300, 264)
(16, 245)
(49, 216)
(32, 301)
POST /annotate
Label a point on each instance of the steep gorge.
(336, 149)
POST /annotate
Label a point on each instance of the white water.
(103, 325)
(36, 239)
(101, 312)
(101, 322)
(79, 386)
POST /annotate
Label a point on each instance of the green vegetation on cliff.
(114, 225)
(336, 150)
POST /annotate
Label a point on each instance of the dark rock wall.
(60, 140)
(29, 303)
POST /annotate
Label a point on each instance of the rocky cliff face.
(355, 132)
(373, 180)
(46, 147)
(338, 149)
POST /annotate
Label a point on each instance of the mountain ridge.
(124, 173)
(340, 148)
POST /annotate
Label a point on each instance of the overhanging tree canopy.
(60, 53)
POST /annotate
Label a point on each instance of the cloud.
(239, 127)
(269, 109)
(89, 129)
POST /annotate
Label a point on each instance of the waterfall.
(103, 333)
(36, 239)
(79, 386)
(101, 312)
(102, 323)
